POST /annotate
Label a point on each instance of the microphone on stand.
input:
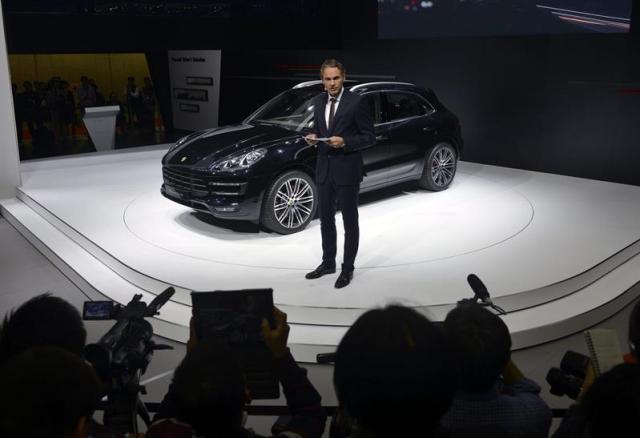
(481, 293)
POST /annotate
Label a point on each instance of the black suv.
(262, 170)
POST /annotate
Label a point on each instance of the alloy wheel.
(294, 202)
(443, 166)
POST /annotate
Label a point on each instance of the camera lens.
(563, 383)
(575, 363)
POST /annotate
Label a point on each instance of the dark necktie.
(332, 112)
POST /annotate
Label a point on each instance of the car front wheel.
(439, 167)
(290, 203)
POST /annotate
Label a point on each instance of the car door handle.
(428, 129)
(381, 137)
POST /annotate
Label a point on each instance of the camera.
(569, 377)
(122, 355)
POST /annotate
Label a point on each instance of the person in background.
(148, 106)
(133, 101)
(99, 97)
(86, 94)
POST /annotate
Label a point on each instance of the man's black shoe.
(344, 279)
(320, 271)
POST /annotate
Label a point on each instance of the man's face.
(332, 79)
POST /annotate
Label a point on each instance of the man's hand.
(589, 378)
(511, 373)
(336, 142)
(311, 139)
(276, 339)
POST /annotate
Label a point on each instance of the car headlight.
(239, 162)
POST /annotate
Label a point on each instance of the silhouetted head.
(43, 321)
(481, 345)
(394, 373)
(209, 391)
(46, 393)
(611, 406)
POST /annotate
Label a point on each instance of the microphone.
(480, 291)
(159, 301)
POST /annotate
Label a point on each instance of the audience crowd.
(51, 112)
(396, 374)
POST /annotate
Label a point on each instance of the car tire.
(290, 203)
(439, 169)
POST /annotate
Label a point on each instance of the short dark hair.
(43, 321)
(394, 372)
(611, 405)
(44, 392)
(634, 330)
(208, 390)
(481, 345)
(332, 63)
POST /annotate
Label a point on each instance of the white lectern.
(101, 124)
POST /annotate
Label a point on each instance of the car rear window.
(404, 105)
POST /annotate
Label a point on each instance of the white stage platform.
(558, 253)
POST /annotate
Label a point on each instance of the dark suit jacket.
(352, 121)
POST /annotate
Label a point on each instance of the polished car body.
(262, 169)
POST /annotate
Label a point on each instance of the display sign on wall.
(195, 88)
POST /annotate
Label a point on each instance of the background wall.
(567, 104)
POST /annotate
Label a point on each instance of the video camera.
(569, 378)
(122, 355)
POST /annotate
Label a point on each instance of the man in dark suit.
(342, 118)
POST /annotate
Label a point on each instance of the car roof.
(366, 86)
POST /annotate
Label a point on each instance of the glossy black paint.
(398, 155)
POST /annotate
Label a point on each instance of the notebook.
(604, 349)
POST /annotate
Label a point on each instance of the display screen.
(436, 18)
(97, 310)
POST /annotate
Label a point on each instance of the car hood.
(205, 147)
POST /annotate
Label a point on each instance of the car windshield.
(291, 110)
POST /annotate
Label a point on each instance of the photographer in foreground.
(394, 376)
(494, 398)
(208, 393)
(43, 321)
(609, 404)
(610, 407)
(46, 393)
(49, 321)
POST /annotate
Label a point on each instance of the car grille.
(199, 185)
